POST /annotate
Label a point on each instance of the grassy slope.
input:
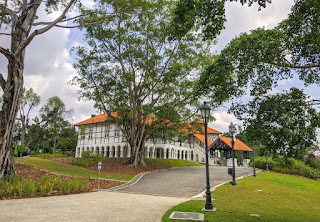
(173, 162)
(283, 198)
(70, 170)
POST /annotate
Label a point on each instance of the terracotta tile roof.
(210, 130)
(200, 136)
(238, 145)
(198, 127)
(96, 119)
(190, 128)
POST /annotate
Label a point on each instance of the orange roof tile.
(190, 129)
(201, 137)
(210, 130)
(238, 145)
(97, 119)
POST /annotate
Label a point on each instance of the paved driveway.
(168, 188)
(181, 182)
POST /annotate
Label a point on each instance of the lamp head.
(205, 111)
(232, 128)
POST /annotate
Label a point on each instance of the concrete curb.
(131, 182)
(202, 194)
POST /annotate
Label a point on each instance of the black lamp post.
(232, 130)
(205, 111)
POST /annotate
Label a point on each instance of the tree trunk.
(137, 158)
(13, 89)
(13, 93)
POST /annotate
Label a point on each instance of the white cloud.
(243, 19)
(223, 120)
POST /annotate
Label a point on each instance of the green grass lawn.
(282, 198)
(173, 162)
(70, 170)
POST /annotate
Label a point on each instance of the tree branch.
(43, 30)
(2, 33)
(5, 52)
(300, 66)
(2, 82)
(68, 19)
(77, 26)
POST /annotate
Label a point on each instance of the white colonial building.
(107, 139)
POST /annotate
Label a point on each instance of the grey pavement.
(134, 203)
(96, 206)
(182, 182)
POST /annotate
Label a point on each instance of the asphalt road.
(181, 182)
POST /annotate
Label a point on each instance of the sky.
(48, 63)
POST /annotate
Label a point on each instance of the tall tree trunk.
(11, 100)
(13, 89)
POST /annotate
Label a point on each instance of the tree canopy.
(283, 123)
(206, 16)
(260, 59)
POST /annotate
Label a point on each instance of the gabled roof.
(201, 137)
(226, 142)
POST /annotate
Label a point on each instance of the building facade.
(107, 139)
(99, 135)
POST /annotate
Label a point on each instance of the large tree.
(54, 113)
(284, 124)
(29, 101)
(132, 68)
(260, 59)
(18, 23)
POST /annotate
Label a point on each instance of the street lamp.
(205, 111)
(232, 130)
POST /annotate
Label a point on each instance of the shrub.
(83, 162)
(29, 188)
(312, 162)
(88, 158)
(16, 186)
(287, 165)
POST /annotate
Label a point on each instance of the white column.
(121, 152)
(129, 150)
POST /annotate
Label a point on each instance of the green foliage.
(88, 158)
(205, 15)
(53, 131)
(19, 150)
(15, 186)
(283, 123)
(287, 165)
(263, 57)
(311, 161)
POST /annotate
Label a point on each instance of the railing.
(202, 149)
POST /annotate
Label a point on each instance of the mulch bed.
(29, 172)
(114, 165)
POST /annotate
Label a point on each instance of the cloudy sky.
(48, 64)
